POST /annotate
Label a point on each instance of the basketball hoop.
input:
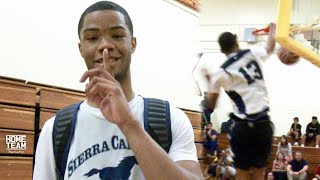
(259, 32)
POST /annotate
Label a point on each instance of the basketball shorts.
(251, 143)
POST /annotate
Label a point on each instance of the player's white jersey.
(242, 79)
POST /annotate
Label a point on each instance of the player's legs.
(251, 145)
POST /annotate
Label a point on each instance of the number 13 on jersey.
(251, 72)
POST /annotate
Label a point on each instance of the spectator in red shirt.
(317, 176)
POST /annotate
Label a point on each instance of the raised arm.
(271, 42)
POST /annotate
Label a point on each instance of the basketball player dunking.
(242, 79)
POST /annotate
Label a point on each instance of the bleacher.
(309, 152)
(25, 106)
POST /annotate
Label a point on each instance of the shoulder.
(178, 116)
(218, 73)
(305, 161)
(259, 51)
(293, 161)
(48, 126)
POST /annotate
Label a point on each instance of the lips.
(111, 59)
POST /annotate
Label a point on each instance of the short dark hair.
(296, 118)
(105, 5)
(227, 42)
(209, 123)
(314, 117)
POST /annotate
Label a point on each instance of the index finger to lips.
(106, 62)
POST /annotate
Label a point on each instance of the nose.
(106, 43)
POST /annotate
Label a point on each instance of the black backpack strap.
(157, 121)
(63, 131)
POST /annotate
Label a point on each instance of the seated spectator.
(210, 139)
(270, 176)
(312, 132)
(279, 167)
(295, 131)
(225, 168)
(317, 175)
(211, 171)
(285, 147)
(297, 168)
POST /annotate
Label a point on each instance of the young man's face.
(314, 121)
(107, 29)
(296, 121)
(298, 156)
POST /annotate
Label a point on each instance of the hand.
(311, 134)
(295, 173)
(105, 92)
(272, 29)
(205, 74)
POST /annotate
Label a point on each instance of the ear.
(80, 48)
(133, 44)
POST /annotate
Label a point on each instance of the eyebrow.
(112, 28)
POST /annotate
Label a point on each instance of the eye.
(118, 36)
(92, 38)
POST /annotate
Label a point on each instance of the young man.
(210, 139)
(295, 130)
(242, 79)
(297, 168)
(312, 132)
(109, 140)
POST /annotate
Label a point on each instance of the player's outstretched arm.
(271, 42)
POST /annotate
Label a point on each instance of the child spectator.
(270, 176)
(225, 169)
